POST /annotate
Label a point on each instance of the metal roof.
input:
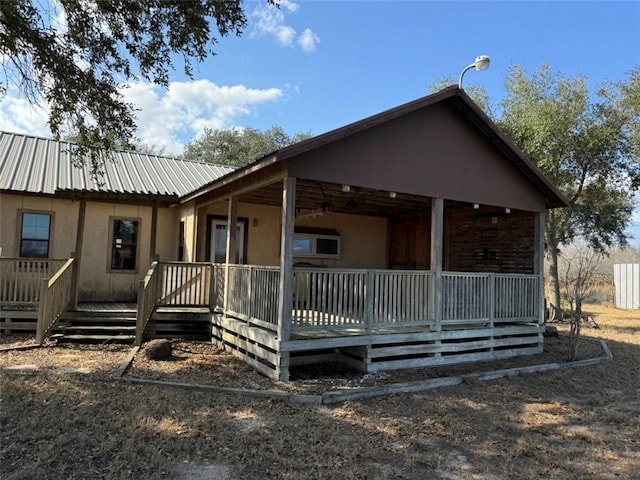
(39, 165)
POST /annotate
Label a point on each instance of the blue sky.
(317, 65)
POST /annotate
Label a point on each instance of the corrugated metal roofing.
(40, 165)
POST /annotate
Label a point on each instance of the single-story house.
(410, 238)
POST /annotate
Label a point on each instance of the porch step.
(94, 338)
(97, 326)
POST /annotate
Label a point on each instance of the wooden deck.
(384, 348)
(369, 319)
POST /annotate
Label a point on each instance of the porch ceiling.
(312, 195)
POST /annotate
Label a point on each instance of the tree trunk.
(574, 333)
(554, 281)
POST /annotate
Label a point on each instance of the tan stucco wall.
(363, 240)
(167, 231)
(65, 218)
(97, 283)
(186, 213)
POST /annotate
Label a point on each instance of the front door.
(218, 245)
(409, 240)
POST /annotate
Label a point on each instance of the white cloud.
(164, 117)
(289, 5)
(186, 108)
(270, 21)
(308, 40)
(19, 116)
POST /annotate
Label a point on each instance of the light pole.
(482, 63)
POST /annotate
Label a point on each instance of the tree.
(587, 144)
(581, 270)
(76, 59)
(134, 144)
(238, 147)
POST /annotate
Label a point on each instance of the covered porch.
(407, 308)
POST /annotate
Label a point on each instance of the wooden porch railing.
(55, 297)
(360, 299)
(467, 297)
(185, 284)
(254, 293)
(20, 278)
(217, 302)
(177, 284)
(517, 297)
(147, 299)
(489, 297)
(340, 299)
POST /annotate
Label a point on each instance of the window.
(35, 235)
(124, 244)
(316, 242)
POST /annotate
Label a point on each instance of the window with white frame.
(316, 242)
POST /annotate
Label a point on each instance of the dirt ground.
(62, 416)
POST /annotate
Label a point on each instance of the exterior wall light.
(482, 63)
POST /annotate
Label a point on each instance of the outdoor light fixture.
(507, 210)
(476, 206)
(392, 194)
(482, 63)
(346, 188)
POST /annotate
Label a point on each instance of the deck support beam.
(538, 261)
(285, 292)
(232, 234)
(77, 254)
(437, 232)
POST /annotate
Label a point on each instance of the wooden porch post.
(232, 227)
(78, 254)
(538, 261)
(285, 290)
(154, 234)
(437, 230)
(194, 241)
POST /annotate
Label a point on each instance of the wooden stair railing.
(147, 300)
(55, 298)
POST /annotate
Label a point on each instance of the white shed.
(626, 279)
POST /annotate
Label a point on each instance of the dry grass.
(572, 424)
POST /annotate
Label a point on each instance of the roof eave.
(165, 200)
